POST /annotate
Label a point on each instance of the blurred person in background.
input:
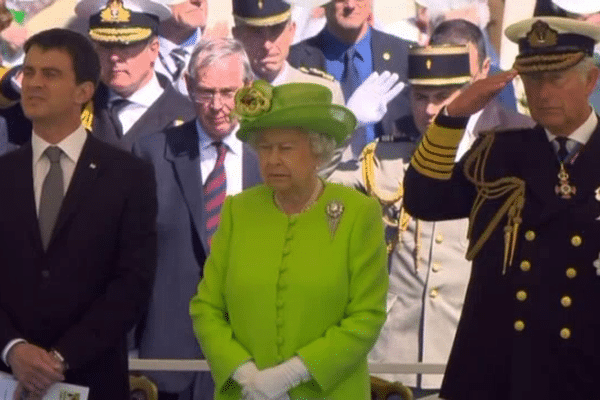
(177, 37)
(351, 50)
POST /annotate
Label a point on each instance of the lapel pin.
(178, 122)
(387, 56)
(597, 265)
(598, 194)
(92, 166)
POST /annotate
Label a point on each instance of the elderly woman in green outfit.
(293, 294)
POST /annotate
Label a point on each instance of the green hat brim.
(332, 120)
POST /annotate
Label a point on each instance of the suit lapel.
(24, 194)
(85, 174)
(183, 151)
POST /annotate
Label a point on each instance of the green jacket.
(276, 286)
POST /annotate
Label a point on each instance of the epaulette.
(87, 115)
(317, 72)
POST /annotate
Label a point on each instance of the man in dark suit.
(78, 238)
(348, 35)
(528, 329)
(183, 158)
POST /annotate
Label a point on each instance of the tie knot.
(178, 52)
(119, 104)
(53, 153)
(350, 53)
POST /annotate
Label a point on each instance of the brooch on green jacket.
(334, 210)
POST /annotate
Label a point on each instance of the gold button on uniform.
(521, 295)
(436, 267)
(565, 333)
(519, 325)
(433, 293)
(571, 273)
(576, 241)
(439, 238)
(566, 301)
(529, 236)
(525, 265)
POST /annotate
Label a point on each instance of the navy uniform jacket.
(182, 246)
(86, 291)
(531, 332)
(170, 109)
(389, 54)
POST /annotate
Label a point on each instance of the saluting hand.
(35, 368)
(478, 94)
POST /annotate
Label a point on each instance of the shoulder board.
(317, 72)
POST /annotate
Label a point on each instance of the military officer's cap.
(122, 21)
(439, 65)
(261, 12)
(581, 7)
(552, 43)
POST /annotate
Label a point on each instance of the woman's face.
(287, 162)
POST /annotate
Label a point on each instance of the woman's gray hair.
(321, 145)
(210, 51)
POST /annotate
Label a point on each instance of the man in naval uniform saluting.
(529, 327)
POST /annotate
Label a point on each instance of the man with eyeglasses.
(196, 165)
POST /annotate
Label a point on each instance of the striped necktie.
(214, 192)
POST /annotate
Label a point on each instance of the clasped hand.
(35, 369)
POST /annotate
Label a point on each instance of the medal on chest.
(564, 188)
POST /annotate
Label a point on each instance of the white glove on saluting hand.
(369, 101)
(271, 383)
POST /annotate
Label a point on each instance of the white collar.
(231, 141)
(165, 45)
(146, 95)
(281, 78)
(583, 133)
(71, 145)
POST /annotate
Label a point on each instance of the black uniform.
(530, 329)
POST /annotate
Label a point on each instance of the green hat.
(293, 105)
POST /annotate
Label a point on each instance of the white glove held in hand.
(369, 101)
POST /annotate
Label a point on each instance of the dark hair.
(84, 58)
(460, 32)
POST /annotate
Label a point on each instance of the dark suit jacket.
(557, 258)
(182, 245)
(170, 109)
(85, 292)
(389, 54)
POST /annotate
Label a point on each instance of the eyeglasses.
(205, 95)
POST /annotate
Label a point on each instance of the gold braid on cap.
(547, 62)
(368, 173)
(510, 186)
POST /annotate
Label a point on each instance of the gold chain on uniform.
(368, 172)
(513, 206)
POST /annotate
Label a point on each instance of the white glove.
(275, 382)
(369, 101)
(245, 375)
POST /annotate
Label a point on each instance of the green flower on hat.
(252, 101)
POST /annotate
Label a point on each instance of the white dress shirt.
(166, 66)
(71, 147)
(580, 135)
(139, 102)
(233, 159)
